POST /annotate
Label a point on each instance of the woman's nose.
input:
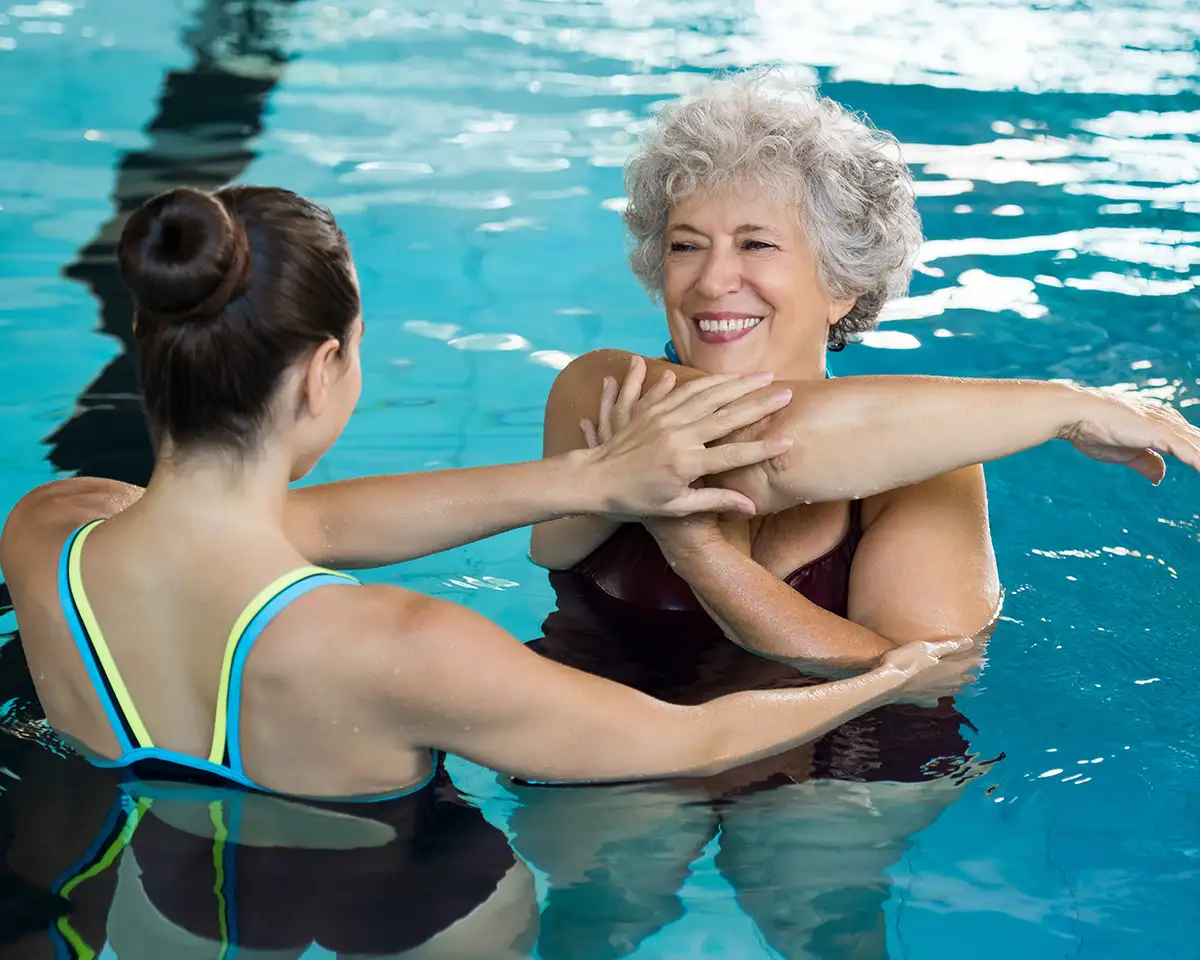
(721, 274)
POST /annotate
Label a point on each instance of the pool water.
(472, 151)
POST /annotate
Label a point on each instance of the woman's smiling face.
(742, 290)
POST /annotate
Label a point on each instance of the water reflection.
(152, 871)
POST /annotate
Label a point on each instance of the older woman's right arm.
(863, 435)
(859, 436)
(452, 680)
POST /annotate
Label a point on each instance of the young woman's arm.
(645, 470)
(456, 682)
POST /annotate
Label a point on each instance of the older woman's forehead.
(736, 211)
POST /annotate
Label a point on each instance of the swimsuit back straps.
(131, 732)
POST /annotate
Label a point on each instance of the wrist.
(889, 680)
(681, 546)
(584, 484)
(1073, 405)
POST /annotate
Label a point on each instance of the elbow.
(548, 551)
(710, 748)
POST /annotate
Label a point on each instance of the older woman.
(775, 226)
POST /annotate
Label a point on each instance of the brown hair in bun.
(230, 289)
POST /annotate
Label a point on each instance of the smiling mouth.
(725, 329)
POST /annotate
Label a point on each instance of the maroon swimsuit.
(625, 615)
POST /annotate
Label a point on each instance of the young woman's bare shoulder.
(47, 514)
(372, 625)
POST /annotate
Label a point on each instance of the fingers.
(731, 456)
(741, 413)
(658, 392)
(713, 500)
(631, 391)
(608, 399)
(590, 435)
(1186, 445)
(1150, 465)
(1176, 437)
(696, 398)
(947, 648)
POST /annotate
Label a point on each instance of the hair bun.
(183, 257)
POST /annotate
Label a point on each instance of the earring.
(669, 352)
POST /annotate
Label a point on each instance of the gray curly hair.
(850, 187)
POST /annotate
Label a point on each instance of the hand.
(934, 669)
(1133, 431)
(649, 451)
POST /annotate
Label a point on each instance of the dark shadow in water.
(201, 135)
(207, 116)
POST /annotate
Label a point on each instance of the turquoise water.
(472, 152)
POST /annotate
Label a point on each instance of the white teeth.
(727, 326)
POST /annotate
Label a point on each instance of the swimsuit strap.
(266, 605)
(114, 696)
(115, 836)
(122, 713)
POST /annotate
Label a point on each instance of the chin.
(727, 358)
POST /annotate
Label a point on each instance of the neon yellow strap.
(90, 624)
(216, 752)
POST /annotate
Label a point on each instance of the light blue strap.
(233, 730)
(75, 625)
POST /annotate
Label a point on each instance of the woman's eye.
(678, 246)
(758, 245)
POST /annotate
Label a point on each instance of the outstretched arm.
(864, 435)
(459, 683)
(855, 437)
(646, 470)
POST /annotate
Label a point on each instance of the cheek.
(792, 292)
(672, 289)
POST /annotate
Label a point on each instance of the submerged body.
(622, 613)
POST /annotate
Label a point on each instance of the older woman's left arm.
(924, 569)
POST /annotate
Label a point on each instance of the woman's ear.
(319, 375)
(839, 308)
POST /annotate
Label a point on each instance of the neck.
(209, 488)
(811, 366)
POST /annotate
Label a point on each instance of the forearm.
(860, 436)
(375, 521)
(761, 613)
(741, 727)
(863, 435)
